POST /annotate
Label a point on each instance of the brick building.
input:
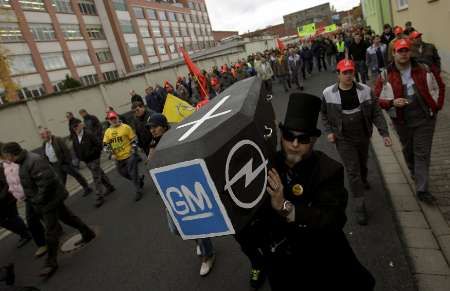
(320, 13)
(95, 40)
(218, 35)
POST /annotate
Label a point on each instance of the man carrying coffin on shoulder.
(309, 250)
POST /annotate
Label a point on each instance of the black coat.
(93, 125)
(143, 133)
(62, 152)
(7, 200)
(40, 183)
(90, 148)
(316, 254)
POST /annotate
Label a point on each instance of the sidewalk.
(424, 229)
(72, 186)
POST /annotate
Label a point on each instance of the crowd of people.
(306, 187)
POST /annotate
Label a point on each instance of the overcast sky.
(245, 15)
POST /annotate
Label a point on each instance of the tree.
(70, 83)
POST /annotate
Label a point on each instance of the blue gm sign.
(192, 199)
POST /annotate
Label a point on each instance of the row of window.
(169, 15)
(23, 64)
(172, 48)
(197, 6)
(175, 31)
(10, 32)
(87, 7)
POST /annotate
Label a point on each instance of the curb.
(423, 229)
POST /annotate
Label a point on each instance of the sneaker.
(426, 197)
(23, 241)
(85, 239)
(40, 252)
(99, 202)
(207, 265)
(198, 250)
(48, 271)
(10, 275)
(87, 191)
(256, 278)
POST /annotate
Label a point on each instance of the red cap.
(414, 35)
(345, 65)
(398, 30)
(402, 43)
(111, 115)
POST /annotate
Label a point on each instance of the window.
(126, 26)
(161, 49)
(111, 75)
(191, 31)
(184, 31)
(402, 4)
(53, 61)
(104, 55)
(150, 50)
(171, 16)
(187, 17)
(180, 17)
(71, 31)
(87, 7)
(144, 31)
(58, 85)
(5, 4)
(139, 67)
(89, 79)
(172, 48)
(42, 32)
(31, 92)
(120, 5)
(37, 5)
(176, 31)
(10, 32)
(81, 58)
(95, 31)
(22, 64)
(167, 32)
(138, 12)
(194, 18)
(62, 6)
(151, 14)
(133, 48)
(191, 5)
(197, 31)
(162, 15)
(156, 31)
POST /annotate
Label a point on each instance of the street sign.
(234, 136)
(192, 200)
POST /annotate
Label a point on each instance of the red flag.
(196, 72)
(280, 45)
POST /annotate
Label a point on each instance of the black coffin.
(229, 141)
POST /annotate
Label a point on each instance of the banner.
(196, 72)
(307, 30)
(176, 109)
(280, 45)
(330, 28)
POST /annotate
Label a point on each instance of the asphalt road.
(135, 251)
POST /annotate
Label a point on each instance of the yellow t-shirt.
(119, 138)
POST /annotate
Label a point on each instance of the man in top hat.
(349, 111)
(307, 248)
(121, 141)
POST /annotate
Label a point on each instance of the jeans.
(129, 169)
(35, 225)
(14, 223)
(361, 69)
(67, 169)
(100, 178)
(267, 84)
(285, 81)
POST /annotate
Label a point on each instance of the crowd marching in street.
(395, 71)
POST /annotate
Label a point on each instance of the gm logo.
(192, 199)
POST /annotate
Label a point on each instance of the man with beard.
(307, 248)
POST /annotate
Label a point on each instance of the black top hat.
(302, 114)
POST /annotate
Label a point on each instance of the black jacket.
(314, 244)
(61, 150)
(93, 125)
(142, 132)
(40, 183)
(90, 148)
(7, 200)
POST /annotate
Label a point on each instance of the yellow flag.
(176, 109)
(330, 28)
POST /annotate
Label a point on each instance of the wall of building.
(430, 18)
(20, 121)
(376, 13)
(219, 35)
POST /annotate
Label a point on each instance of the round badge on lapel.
(297, 189)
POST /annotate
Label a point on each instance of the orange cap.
(402, 43)
(111, 115)
(214, 81)
(398, 30)
(345, 65)
(414, 35)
